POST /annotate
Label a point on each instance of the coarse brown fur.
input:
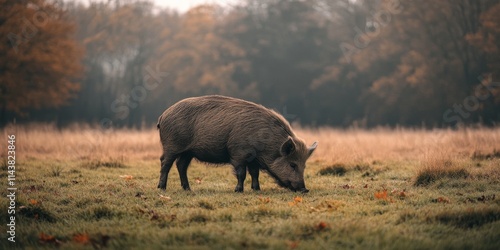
(219, 129)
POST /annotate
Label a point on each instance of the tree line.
(318, 62)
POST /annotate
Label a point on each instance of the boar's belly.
(212, 156)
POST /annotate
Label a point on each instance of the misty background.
(320, 62)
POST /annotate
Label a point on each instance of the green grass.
(95, 199)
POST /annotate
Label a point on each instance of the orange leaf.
(381, 195)
(297, 199)
(81, 238)
(127, 177)
(291, 203)
(322, 225)
(46, 238)
(441, 200)
(265, 200)
(33, 202)
(198, 180)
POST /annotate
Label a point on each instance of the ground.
(85, 188)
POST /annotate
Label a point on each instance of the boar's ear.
(312, 148)
(288, 147)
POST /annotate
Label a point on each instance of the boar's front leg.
(241, 173)
(253, 169)
(182, 166)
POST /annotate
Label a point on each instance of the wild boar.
(218, 129)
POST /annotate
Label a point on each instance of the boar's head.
(288, 167)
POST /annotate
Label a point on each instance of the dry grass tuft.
(336, 170)
(340, 169)
(469, 218)
(36, 212)
(439, 169)
(95, 164)
(485, 156)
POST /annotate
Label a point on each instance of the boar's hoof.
(238, 189)
(162, 187)
(304, 190)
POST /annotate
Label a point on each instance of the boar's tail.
(158, 124)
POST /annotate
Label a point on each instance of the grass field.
(86, 188)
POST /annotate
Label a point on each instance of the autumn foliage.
(341, 63)
(40, 57)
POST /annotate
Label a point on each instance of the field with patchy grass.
(86, 188)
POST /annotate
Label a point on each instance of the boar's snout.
(300, 187)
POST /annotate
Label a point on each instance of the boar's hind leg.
(166, 164)
(253, 169)
(241, 173)
(182, 166)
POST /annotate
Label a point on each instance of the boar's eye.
(294, 166)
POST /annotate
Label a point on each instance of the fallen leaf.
(33, 202)
(295, 201)
(198, 180)
(166, 198)
(293, 244)
(265, 199)
(154, 215)
(402, 194)
(441, 200)
(365, 186)
(127, 177)
(81, 238)
(329, 205)
(321, 226)
(484, 198)
(381, 195)
(313, 209)
(45, 238)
